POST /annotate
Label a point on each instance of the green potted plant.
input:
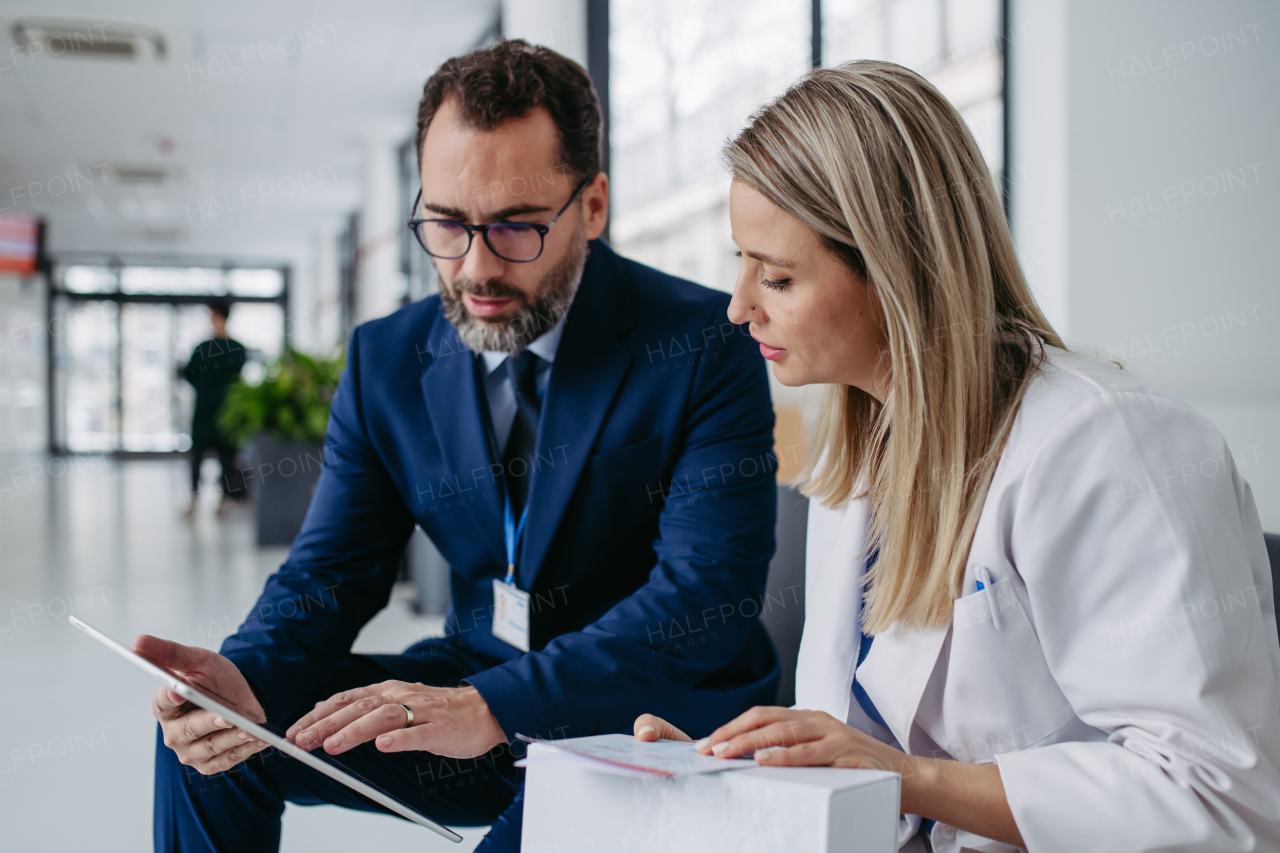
(282, 420)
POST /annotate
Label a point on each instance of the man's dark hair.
(506, 80)
(220, 306)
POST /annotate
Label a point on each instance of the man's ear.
(595, 205)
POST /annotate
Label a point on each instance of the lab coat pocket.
(1000, 695)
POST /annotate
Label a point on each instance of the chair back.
(1273, 553)
(782, 610)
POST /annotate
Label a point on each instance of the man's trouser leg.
(196, 459)
(240, 810)
(232, 477)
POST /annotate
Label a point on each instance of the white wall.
(1146, 201)
(22, 368)
(558, 24)
(380, 284)
(316, 316)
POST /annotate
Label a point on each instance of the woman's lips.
(771, 353)
(485, 307)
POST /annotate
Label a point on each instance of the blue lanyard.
(512, 532)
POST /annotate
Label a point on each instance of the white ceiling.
(225, 108)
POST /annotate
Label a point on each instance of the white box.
(570, 808)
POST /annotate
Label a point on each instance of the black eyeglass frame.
(471, 230)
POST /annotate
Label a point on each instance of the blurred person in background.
(215, 364)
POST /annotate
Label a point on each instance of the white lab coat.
(1122, 670)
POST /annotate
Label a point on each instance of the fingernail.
(763, 754)
(305, 739)
(702, 744)
(242, 734)
(647, 730)
(333, 742)
(720, 747)
(221, 723)
(384, 742)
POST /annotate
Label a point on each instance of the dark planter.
(281, 480)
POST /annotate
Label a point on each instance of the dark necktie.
(517, 459)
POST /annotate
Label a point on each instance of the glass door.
(147, 378)
(89, 365)
(122, 337)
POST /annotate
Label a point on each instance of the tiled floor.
(105, 540)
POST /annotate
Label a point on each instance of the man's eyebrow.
(496, 216)
(771, 260)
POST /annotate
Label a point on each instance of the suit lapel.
(453, 404)
(589, 368)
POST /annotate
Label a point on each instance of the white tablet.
(217, 705)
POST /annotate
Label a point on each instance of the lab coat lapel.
(449, 389)
(896, 673)
(589, 368)
(833, 605)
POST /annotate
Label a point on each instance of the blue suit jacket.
(650, 529)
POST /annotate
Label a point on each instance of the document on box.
(623, 753)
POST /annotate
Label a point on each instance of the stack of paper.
(623, 755)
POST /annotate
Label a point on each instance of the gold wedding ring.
(409, 711)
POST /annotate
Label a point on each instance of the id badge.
(510, 614)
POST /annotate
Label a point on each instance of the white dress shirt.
(497, 383)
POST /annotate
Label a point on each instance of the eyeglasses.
(518, 242)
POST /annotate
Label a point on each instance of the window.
(685, 75)
(954, 43)
(165, 280)
(195, 280)
(83, 279)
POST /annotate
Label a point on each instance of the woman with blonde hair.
(1028, 589)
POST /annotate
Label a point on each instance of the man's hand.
(454, 722)
(200, 738)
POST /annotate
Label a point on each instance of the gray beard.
(555, 297)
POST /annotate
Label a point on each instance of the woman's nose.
(742, 307)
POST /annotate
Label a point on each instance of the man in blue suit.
(588, 443)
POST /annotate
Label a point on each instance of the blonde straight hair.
(876, 161)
